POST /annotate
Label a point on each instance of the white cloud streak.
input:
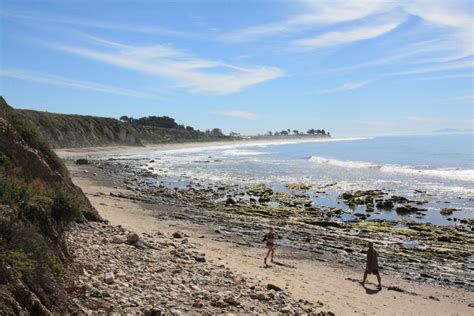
(345, 87)
(105, 25)
(436, 68)
(184, 70)
(72, 83)
(461, 99)
(423, 119)
(344, 37)
(317, 13)
(250, 116)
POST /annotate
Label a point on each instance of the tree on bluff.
(216, 132)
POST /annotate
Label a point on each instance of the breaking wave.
(446, 173)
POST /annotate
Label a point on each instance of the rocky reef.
(414, 250)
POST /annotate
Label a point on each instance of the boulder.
(118, 240)
(448, 210)
(109, 277)
(274, 287)
(82, 161)
(399, 199)
(385, 204)
(178, 235)
(132, 238)
(405, 209)
(230, 201)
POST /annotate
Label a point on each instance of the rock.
(82, 161)
(153, 312)
(118, 240)
(405, 209)
(230, 201)
(94, 174)
(385, 204)
(132, 238)
(178, 235)
(198, 304)
(231, 301)
(85, 171)
(261, 297)
(361, 216)
(396, 289)
(287, 309)
(345, 196)
(471, 305)
(370, 207)
(141, 245)
(200, 259)
(273, 287)
(448, 211)
(399, 199)
(109, 277)
(325, 314)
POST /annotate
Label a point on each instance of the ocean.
(435, 168)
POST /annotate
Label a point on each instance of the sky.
(365, 67)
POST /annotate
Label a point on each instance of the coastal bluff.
(75, 131)
(37, 202)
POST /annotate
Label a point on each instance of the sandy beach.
(329, 284)
(112, 150)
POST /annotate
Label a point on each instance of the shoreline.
(69, 153)
(305, 275)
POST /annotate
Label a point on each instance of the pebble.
(169, 280)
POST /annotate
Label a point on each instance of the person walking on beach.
(270, 239)
(372, 266)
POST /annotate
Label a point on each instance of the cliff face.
(37, 201)
(68, 131)
(64, 131)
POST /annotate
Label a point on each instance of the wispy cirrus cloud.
(94, 24)
(344, 37)
(461, 99)
(425, 119)
(346, 87)
(463, 64)
(446, 77)
(184, 70)
(250, 116)
(72, 83)
(316, 13)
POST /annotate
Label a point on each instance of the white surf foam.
(446, 173)
(241, 152)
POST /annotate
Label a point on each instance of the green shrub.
(42, 200)
(67, 207)
(12, 193)
(21, 262)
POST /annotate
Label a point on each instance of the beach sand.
(337, 288)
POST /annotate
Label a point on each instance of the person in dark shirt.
(270, 239)
(372, 266)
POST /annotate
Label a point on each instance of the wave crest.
(446, 173)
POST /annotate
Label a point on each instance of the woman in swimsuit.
(270, 239)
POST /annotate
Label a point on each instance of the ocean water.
(437, 168)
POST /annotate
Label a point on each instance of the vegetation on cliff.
(37, 201)
(67, 131)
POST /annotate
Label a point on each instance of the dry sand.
(336, 288)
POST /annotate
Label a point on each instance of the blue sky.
(351, 67)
